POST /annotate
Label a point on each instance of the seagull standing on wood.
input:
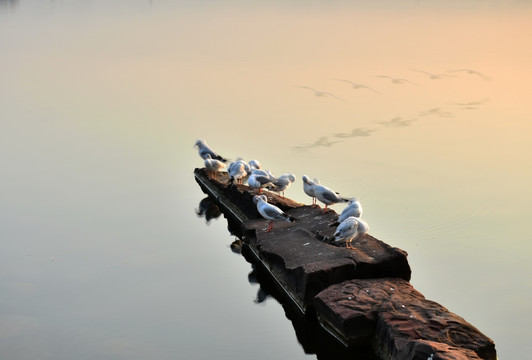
(254, 164)
(213, 166)
(204, 150)
(327, 196)
(237, 170)
(259, 179)
(354, 208)
(350, 229)
(283, 182)
(270, 212)
(308, 187)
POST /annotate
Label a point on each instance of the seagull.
(213, 165)
(354, 208)
(308, 188)
(358, 86)
(473, 72)
(259, 179)
(237, 170)
(270, 212)
(350, 229)
(204, 150)
(254, 164)
(327, 196)
(282, 183)
(396, 80)
(433, 76)
(320, 93)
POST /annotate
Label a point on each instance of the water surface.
(103, 255)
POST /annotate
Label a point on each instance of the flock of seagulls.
(349, 225)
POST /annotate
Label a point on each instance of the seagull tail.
(222, 159)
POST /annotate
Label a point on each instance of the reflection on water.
(357, 86)
(357, 132)
(397, 122)
(309, 333)
(9, 3)
(208, 209)
(101, 100)
(395, 80)
(320, 93)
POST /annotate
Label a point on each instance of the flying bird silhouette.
(319, 93)
(398, 81)
(358, 86)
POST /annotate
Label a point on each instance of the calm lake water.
(103, 255)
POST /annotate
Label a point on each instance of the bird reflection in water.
(320, 93)
(436, 112)
(323, 141)
(357, 86)
(208, 209)
(472, 72)
(10, 4)
(470, 105)
(433, 76)
(358, 132)
(262, 294)
(397, 122)
(397, 81)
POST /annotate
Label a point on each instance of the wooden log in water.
(361, 296)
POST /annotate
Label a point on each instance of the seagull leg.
(270, 226)
(325, 210)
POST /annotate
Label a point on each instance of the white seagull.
(270, 212)
(254, 164)
(350, 229)
(282, 183)
(237, 170)
(212, 165)
(204, 150)
(308, 187)
(259, 179)
(327, 196)
(354, 208)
